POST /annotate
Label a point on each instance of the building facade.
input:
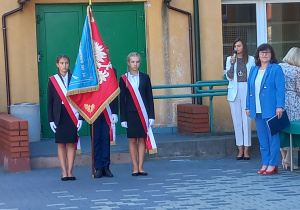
(43, 29)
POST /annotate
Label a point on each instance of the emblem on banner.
(89, 108)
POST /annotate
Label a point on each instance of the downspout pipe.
(167, 3)
(6, 53)
(197, 45)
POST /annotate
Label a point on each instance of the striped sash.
(73, 113)
(140, 106)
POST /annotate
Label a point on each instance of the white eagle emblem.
(100, 56)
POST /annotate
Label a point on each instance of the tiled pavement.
(223, 183)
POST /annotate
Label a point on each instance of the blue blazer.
(272, 91)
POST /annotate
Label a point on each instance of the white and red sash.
(112, 128)
(140, 106)
(73, 113)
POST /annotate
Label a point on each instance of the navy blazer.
(54, 103)
(272, 91)
(126, 101)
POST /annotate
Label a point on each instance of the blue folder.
(275, 125)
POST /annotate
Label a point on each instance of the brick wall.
(192, 119)
(14, 143)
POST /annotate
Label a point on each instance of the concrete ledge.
(205, 147)
(80, 160)
(219, 147)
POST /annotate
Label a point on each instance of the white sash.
(144, 112)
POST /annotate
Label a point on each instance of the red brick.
(10, 143)
(24, 133)
(25, 154)
(11, 122)
(187, 129)
(192, 125)
(24, 143)
(14, 154)
(23, 124)
(192, 108)
(13, 138)
(11, 125)
(5, 148)
(19, 149)
(9, 132)
(193, 121)
(194, 116)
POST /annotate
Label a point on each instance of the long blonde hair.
(292, 57)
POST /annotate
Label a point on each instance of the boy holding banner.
(104, 135)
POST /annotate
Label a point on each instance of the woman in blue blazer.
(265, 98)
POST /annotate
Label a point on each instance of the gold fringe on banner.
(152, 151)
(78, 152)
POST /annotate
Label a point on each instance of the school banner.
(93, 84)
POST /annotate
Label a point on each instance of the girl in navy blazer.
(129, 114)
(60, 121)
(265, 98)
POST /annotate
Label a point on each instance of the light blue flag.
(84, 77)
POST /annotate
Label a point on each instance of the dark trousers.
(102, 143)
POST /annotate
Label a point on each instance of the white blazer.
(232, 86)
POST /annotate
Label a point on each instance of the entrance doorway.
(59, 28)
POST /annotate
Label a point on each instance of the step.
(170, 146)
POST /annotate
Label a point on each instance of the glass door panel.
(283, 27)
(239, 20)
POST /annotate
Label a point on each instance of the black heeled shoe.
(246, 158)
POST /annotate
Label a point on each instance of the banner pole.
(93, 151)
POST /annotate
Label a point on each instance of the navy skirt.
(135, 128)
(66, 131)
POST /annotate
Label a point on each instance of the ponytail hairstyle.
(132, 54)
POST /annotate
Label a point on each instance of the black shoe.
(106, 172)
(246, 158)
(64, 178)
(71, 178)
(135, 173)
(143, 173)
(239, 158)
(98, 173)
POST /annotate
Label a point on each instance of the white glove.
(53, 126)
(79, 125)
(151, 122)
(124, 124)
(114, 118)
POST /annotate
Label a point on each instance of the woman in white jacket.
(237, 71)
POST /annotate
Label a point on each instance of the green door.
(59, 28)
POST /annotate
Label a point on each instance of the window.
(239, 20)
(261, 21)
